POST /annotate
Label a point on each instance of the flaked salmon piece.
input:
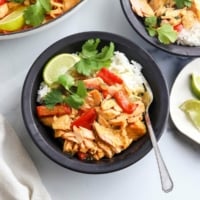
(68, 146)
(90, 145)
(103, 121)
(98, 154)
(139, 109)
(73, 139)
(172, 16)
(94, 83)
(110, 103)
(63, 122)
(142, 8)
(74, 113)
(93, 99)
(83, 132)
(110, 137)
(110, 114)
(106, 149)
(47, 121)
(133, 119)
(189, 18)
(4, 10)
(120, 122)
(136, 130)
(83, 148)
(58, 133)
(68, 4)
(196, 8)
(157, 4)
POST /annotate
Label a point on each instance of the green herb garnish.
(74, 98)
(183, 3)
(93, 59)
(165, 32)
(34, 14)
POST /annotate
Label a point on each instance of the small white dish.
(181, 92)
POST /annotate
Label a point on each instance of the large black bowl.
(138, 25)
(52, 148)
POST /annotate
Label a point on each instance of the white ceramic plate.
(42, 27)
(179, 93)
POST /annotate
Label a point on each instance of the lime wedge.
(195, 85)
(191, 108)
(59, 65)
(14, 21)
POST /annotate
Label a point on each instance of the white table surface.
(139, 181)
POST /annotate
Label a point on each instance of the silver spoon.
(166, 181)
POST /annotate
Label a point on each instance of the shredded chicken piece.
(142, 8)
(3, 10)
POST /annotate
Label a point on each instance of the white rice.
(129, 71)
(42, 92)
(190, 37)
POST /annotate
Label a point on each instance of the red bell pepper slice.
(82, 156)
(44, 111)
(124, 103)
(2, 2)
(178, 27)
(109, 77)
(86, 119)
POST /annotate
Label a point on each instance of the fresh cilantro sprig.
(165, 32)
(183, 3)
(93, 59)
(74, 98)
(34, 14)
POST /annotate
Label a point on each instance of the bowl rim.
(47, 25)
(84, 167)
(136, 24)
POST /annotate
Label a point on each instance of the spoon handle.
(166, 181)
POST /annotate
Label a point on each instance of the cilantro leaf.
(89, 48)
(93, 59)
(166, 34)
(53, 97)
(106, 53)
(81, 89)
(85, 66)
(66, 81)
(183, 3)
(35, 14)
(151, 21)
(45, 4)
(151, 25)
(74, 101)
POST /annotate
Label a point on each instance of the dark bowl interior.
(42, 136)
(138, 25)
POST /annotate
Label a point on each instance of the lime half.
(191, 108)
(58, 65)
(14, 21)
(195, 85)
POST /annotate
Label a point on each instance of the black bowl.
(138, 25)
(52, 148)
